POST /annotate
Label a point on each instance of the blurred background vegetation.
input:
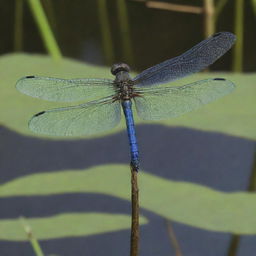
(141, 33)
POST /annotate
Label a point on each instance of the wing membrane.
(86, 119)
(161, 103)
(197, 58)
(65, 90)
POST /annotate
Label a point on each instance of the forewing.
(65, 90)
(197, 58)
(166, 102)
(86, 119)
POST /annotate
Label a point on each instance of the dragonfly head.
(116, 68)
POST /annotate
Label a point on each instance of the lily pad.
(65, 225)
(234, 114)
(184, 202)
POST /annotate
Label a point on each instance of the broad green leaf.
(65, 225)
(233, 114)
(184, 202)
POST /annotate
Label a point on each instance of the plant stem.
(49, 9)
(173, 7)
(173, 238)
(134, 249)
(209, 26)
(44, 28)
(218, 9)
(233, 246)
(105, 31)
(235, 239)
(125, 31)
(33, 241)
(239, 32)
(18, 25)
(252, 183)
(253, 2)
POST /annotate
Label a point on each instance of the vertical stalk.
(105, 31)
(44, 28)
(218, 9)
(134, 246)
(173, 238)
(235, 239)
(252, 183)
(18, 25)
(209, 26)
(49, 9)
(124, 31)
(238, 47)
(233, 246)
(254, 7)
(33, 241)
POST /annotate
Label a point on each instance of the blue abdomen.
(127, 108)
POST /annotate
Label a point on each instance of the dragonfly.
(104, 97)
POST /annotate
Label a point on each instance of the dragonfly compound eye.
(119, 67)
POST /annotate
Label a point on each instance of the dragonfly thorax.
(123, 81)
(124, 86)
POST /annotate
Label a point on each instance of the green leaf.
(233, 114)
(66, 225)
(183, 202)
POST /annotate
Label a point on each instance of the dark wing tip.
(226, 83)
(220, 79)
(225, 35)
(217, 34)
(19, 83)
(40, 113)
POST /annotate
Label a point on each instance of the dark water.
(215, 160)
(155, 35)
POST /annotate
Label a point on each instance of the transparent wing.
(86, 119)
(166, 102)
(65, 90)
(197, 58)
